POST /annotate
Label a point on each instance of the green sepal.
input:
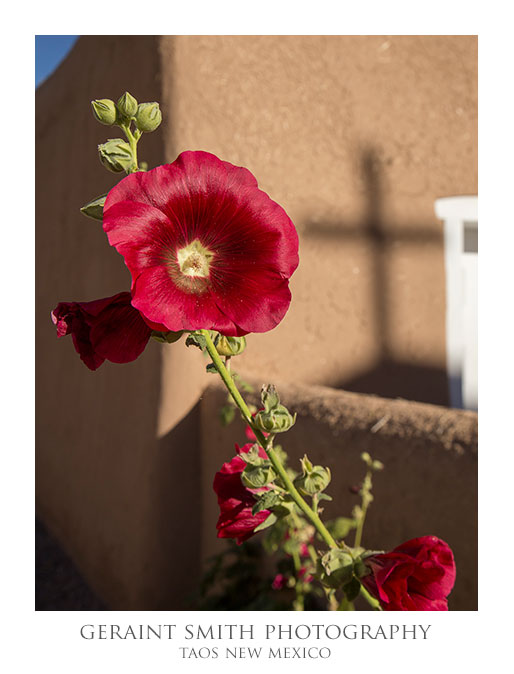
(269, 397)
(95, 208)
(352, 589)
(255, 477)
(266, 501)
(169, 337)
(252, 457)
(324, 497)
(196, 339)
(336, 568)
(268, 522)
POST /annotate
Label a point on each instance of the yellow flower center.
(194, 259)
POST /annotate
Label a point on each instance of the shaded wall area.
(104, 474)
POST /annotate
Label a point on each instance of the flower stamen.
(194, 259)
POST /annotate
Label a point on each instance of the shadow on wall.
(390, 377)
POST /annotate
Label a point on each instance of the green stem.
(360, 523)
(275, 461)
(371, 600)
(132, 141)
(346, 605)
(300, 502)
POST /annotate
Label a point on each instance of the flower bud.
(278, 420)
(115, 155)
(95, 208)
(104, 111)
(313, 481)
(127, 105)
(148, 116)
(336, 568)
(255, 477)
(230, 346)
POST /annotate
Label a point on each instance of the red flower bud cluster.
(236, 501)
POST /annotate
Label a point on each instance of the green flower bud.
(336, 568)
(230, 346)
(255, 477)
(314, 481)
(148, 116)
(115, 155)
(95, 208)
(278, 420)
(127, 105)
(104, 111)
(274, 418)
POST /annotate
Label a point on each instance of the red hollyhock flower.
(416, 576)
(236, 501)
(107, 329)
(205, 246)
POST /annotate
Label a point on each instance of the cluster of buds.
(119, 155)
(146, 116)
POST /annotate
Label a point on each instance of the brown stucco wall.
(355, 137)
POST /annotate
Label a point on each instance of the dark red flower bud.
(236, 501)
(106, 329)
(416, 576)
(279, 582)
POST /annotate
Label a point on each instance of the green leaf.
(95, 208)
(352, 589)
(266, 501)
(196, 339)
(324, 497)
(211, 368)
(268, 522)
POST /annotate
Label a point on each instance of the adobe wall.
(355, 137)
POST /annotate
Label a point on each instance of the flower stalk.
(266, 444)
